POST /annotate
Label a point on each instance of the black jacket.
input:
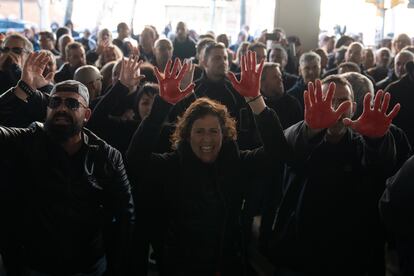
(396, 206)
(198, 205)
(326, 218)
(297, 91)
(401, 92)
(69, 205)
(115, 131)
(66, 72)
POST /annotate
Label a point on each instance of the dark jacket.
(289, 80)
(17, 113)
(401, 92)
(68, 203)
(199, 205)
(113, 130)
(396, 207)
(288, 109)
(383, 84)
(328, 213)
(297, 91)
(185, 49)
(224, 93)
(65, 72)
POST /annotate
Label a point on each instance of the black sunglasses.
(71, 103)
(16, 50)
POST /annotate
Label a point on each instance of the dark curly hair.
(199, 109)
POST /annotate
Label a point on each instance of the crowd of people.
(190, 156)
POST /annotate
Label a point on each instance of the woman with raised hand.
(191, 199)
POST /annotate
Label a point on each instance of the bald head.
(91, 77)
(354, 53)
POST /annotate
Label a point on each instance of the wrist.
(26, 87)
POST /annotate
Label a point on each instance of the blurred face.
(206, 138)
(181, 31)
(216, 65)
(65, 118)
(163, 52)
(354, 54)
(383, 58)
(399, 65)
(124, 31)
(276, 55)
(330, 45)
(310, 71)
(105, 36)
(272, 83)
(260, 54)
(145, 105)
(342, 94)
(76, 57)
(400, 42)
(15, 47)
(147, 39)
(46, 43)
(369, 59)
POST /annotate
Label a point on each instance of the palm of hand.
(249, 84)
(374, 122)
(319, 113)
(170, 81)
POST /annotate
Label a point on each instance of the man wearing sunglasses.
(74, 199)
(13, 52)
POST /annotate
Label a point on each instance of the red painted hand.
(374, 122)
(249, 84)
(319, 113)
(170, 82)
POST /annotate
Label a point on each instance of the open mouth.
(206, 149)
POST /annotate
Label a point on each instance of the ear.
(88, 113)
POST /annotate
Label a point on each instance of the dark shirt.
(288, 109)
(66, 72)
(289, 80)
(297, 91)
(184, 49)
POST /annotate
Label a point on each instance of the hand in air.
(249, 84)
(33, 69)
(319, 113)
(130, 74)
(170, 80)
(374, 122)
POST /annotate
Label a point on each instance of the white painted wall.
(301, 18)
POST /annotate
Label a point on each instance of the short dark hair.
(48, 35)
(210, 47)
(203, 43)
(72, 46)
(121, 26)
(338, 80)
(255, 45)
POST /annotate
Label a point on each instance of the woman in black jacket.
(194, 196)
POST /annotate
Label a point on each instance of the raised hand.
(130, 74)
(102, 45)
(249, 84)
(33, 69)
(189, 75)
(170, 81)
(374, 122)
(319, 113)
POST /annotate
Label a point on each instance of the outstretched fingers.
(167, 72)
(188, 90)
(377, 100)
(330, 93)
(394, 112)
(385, 103)
(158, 75)
(183, 71)
(342, 108)
(311, 91)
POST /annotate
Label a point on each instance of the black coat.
(328, 213)
(67, 203)
(396, 206)
(198, 206)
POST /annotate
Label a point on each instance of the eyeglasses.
(16, 50)
(71, 103)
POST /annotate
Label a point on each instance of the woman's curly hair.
(199, 109)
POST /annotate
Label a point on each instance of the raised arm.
(129, 79)
(145, 138)
(24, 104)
